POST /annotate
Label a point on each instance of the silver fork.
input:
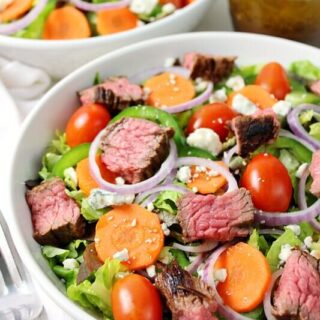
(18, 300)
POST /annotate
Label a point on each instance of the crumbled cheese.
(146, 92)
(70, 264)
(315, 253)
(285, 253)
(169, 62)
(122, 255)
(219, 96)
(120, 180)
(150, 206)
(308, 241)
(165, 229)
(184, 174)
(235, 83)
(151, 271)
(71, 175)
(195, 189)
(168, 8)
(100, 199)
(143, 6)
(4, 4)
(201, 86)
(140, 23)
(133, 223)
(207, 139)
(213, 173)
(198, 80)
(201, 169)
(295, 228)
(168, 218)
(282, 108)
(220, 275)
(301, 170)
(243, 105)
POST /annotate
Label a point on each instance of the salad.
(187, 191)
(79, 19)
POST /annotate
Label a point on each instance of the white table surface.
(217, 19)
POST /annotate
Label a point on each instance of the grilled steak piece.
(220, 218)
(90, 264)
(116, 93)
(253, 131)
(315, 173)
(315, 87)
(56, 217)
(297, 296)
(210, 68)
(187, 297)
(134, 149)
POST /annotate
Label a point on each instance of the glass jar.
(293, 19)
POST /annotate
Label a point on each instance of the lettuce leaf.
(167, 201)
(288, 237)
(315, 130)
(258, 242)
(89, 213)
(305, 69)
(96, 295)
(296, 98)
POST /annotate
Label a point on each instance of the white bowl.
(59, 58)
(55, 108)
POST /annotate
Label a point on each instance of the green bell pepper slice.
(70, 159)
(180, 257)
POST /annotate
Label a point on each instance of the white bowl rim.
(40, 44)
(63, 301)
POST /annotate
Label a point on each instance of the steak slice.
(56, 217)
(116, 93)
(315, 173)
(134, 149)
(254, 131)
(187, 297)
(297, 296)
(219, 218)
(90, 264)
(210, 68)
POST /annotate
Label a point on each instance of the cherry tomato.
(135, 298)
(269, 183)
(177, 3)
(214, 116)
(273, 78)
(86, 123)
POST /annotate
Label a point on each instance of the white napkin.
(25, 84)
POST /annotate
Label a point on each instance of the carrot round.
(205, 182)
(132, 228)
(66, 23)
(85, 181)
(15, 10)
(248, 277)
(259, 96)
(169, 89)
(115, 20)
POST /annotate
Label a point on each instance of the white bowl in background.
(59, 58)
(56, 106)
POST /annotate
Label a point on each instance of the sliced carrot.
(115, 20)
(259, 96)
(66, 23)
(205, 182)
(248, 277)
(132, 228)
(85, 180)
(169, 89)
(15, 10)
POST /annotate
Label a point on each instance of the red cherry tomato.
(214, 116)
(135, 298)
(86, 123)
(273, 78)
(269, 183)
(178, 3)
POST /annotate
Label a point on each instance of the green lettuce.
(35, 29)
(288, 237)
(305, 69)
(167, 200)
(296, 98)
(315, 130)
(258, 242)
(96, 294)
(306, 116)
(306, 230)
(89, 213)
(248, 73)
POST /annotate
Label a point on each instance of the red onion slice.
(302, 202)
(192, 267)
(203, 247)
(267, 300)
(200, 99)
(227, 156)
(87, 6)
(207, 277)
(13, 27)
(164, 170)
(296, 126)
(271, 231)
(193, 161)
